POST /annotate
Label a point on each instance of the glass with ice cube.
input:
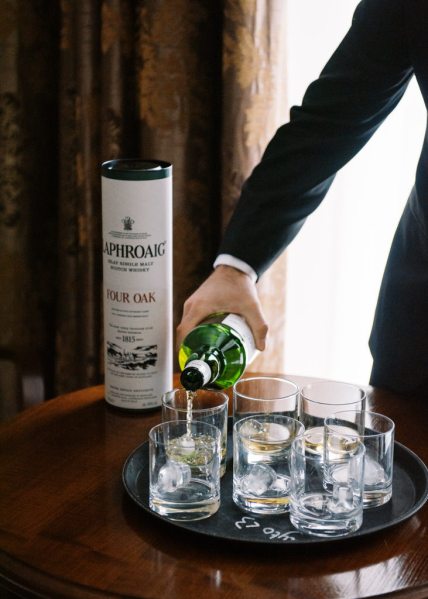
(207, 405)
(265, 394)
(376, 432)
(321, 399)
(261, 451)
(185, 469)
(322, 510)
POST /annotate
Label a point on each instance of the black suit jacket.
(360, 85)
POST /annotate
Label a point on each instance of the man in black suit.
(358, 88)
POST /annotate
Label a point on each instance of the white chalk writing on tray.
(271, 533)
(247, 522)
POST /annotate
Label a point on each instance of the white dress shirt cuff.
(228, 260)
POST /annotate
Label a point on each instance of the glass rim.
(261, 415)
(217, 408)
(334, 383)
(176, 423)
(265, 378)
(369, 413)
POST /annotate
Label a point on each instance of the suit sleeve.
(360, 85)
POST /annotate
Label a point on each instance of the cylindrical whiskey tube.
(137, 281)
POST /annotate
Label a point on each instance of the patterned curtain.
(254, 105)
(195, 83)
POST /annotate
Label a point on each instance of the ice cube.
(281, 484)
(173, 475)
(342, 499)
(258, 479)
(186, 444)
(276, 432)
(373, 472)
(251, 427)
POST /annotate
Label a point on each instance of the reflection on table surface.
(68, 528)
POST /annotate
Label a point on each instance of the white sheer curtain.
(335, 265)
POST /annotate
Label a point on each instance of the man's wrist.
(228, 260)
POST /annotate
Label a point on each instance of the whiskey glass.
(265, 395)
(321, 399)
(376, 432)
(322, 505)
(261, 472)
(184, 470)
(206, 405)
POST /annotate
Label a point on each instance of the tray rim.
(301, 540)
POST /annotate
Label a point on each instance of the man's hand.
(225, 290)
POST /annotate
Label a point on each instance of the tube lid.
(136, 169)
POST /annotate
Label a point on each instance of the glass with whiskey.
(203, 405)
(184, 470)
(321, 399)
(261, 471)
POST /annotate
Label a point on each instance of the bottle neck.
(200, 372)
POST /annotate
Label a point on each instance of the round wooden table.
(69, 529)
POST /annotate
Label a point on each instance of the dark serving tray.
(409, 493)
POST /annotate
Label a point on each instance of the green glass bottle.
(216, 352)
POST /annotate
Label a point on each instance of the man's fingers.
(193, 313)
(225, 290)
(260, 336)
(259, 328)
(183, 328)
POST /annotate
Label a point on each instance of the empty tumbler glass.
(322, 504)
(376, 432)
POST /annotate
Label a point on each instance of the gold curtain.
(254, 105)
(195, 83)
